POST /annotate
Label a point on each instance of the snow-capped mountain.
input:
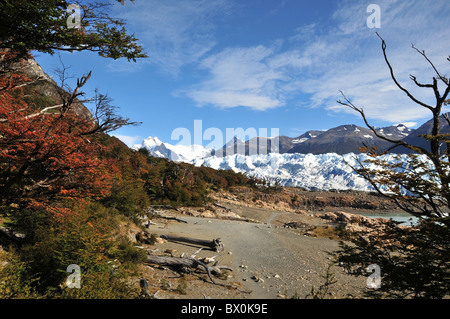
(343, 139)
(316, 172)
(310, 161)
(346, 139)
(416, 139)
(176, 153)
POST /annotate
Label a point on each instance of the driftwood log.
(184, 264)
(223, 207)
(172, 218)
(156, 213)
(10, 236)
(215, 244)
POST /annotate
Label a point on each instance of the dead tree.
(184, 264)
(430, 199)
(157, 214)
(215, 244)
(223, 207)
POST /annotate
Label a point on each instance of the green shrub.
(126, 252)
(15, 280)
(83, 238)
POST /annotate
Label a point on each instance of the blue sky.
(266, 64)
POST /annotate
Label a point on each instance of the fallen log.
(223, 207)
(183, 264)
(163, 206)
(157, 214)
(10, 236)
(172, 218)
(215, 244)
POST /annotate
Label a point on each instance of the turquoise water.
(406, 220)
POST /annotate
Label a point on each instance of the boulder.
(207, 214)
(344, 217)
(328, 216)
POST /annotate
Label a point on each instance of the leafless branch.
(431, 202)
(440, 76)
(419, 84)
(383, 46)
(348, 103)
(43, 111)
(63, 74)
(445, 116)
(67, 101)
(105, 115)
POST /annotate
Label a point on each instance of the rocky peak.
(45, 87)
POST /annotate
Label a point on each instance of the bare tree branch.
(377, 134)
(432, 194)
(67, 101)
(441, 77)
(419, 84)
(395, 79)
(105, 116)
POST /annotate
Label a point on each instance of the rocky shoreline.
(274, 248)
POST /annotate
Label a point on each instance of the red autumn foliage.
(46, 156)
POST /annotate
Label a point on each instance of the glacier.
(314, 172)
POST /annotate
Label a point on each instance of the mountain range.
(316, 160)
(346, 139)
(414, 138)
(339, 140)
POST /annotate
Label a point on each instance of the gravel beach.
(268, 260)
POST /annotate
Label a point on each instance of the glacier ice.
(316, 172)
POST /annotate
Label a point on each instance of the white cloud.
(241, 77)
(259, 77)
(354, 60)
(322, 60)
(128, 140)
(174, 33)
(408, 124)
(315, 62)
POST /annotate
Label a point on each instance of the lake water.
(405, 219)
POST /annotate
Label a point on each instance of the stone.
(159, 240)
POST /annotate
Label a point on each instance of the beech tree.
(42, 25)
(414, 261)
(54, 168)
(46, 153)
(45, 146)
(48, 149)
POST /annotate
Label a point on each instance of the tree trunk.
(215, 244)
(185, 263)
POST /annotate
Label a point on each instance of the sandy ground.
(267, 260)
